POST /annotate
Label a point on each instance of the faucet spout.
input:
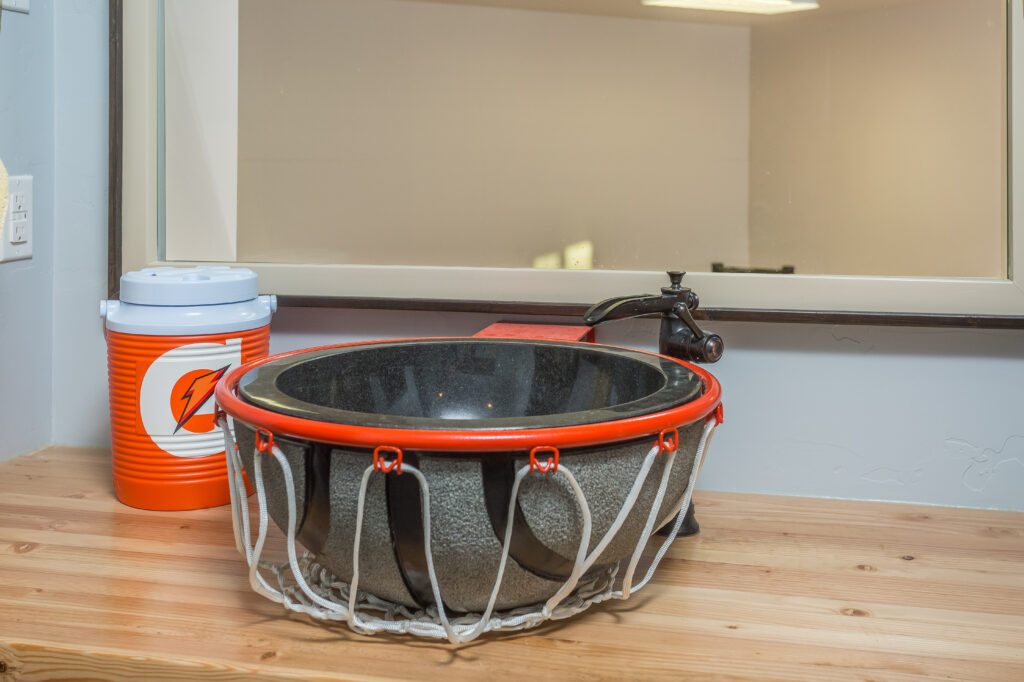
(681, 336)
(621, 307)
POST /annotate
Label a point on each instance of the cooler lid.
(202, 285)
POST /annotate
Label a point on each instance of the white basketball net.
(304, 586)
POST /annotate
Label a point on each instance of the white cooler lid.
(202, 285)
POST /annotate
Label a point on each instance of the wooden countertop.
(773, 588)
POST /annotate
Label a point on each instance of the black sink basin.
(470, 384)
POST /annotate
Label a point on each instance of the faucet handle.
(681, 293)
(697, 346)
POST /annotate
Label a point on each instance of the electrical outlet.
(16, 237)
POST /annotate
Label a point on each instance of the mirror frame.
(843, 299)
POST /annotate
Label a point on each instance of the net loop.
(668, 440)
(547, 467)
(264, 440)
(386, 466)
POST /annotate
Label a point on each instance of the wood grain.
(773, 588)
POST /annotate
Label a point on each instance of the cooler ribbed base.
(146, 475)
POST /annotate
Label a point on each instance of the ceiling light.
(748, 6)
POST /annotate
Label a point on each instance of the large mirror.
(853, 144)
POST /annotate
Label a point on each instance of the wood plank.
(773, 588)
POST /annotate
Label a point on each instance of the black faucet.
(680, 337)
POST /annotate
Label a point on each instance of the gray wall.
(912, 415)
(80, 244)
(26, 287)
(53, 125)
(900, 414)
(878, 413)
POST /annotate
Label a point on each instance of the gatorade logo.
(200, 389)
(176, 397)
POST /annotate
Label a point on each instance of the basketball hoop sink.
(469, 414)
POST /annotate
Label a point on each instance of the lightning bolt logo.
(197, 393)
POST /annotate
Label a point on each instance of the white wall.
(80, 223)
(26, 287)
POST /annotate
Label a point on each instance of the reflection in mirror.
(862, 137)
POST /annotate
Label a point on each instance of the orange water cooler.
(172, 335)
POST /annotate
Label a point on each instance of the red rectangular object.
(543, 332)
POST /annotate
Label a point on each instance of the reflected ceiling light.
(748, 6)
